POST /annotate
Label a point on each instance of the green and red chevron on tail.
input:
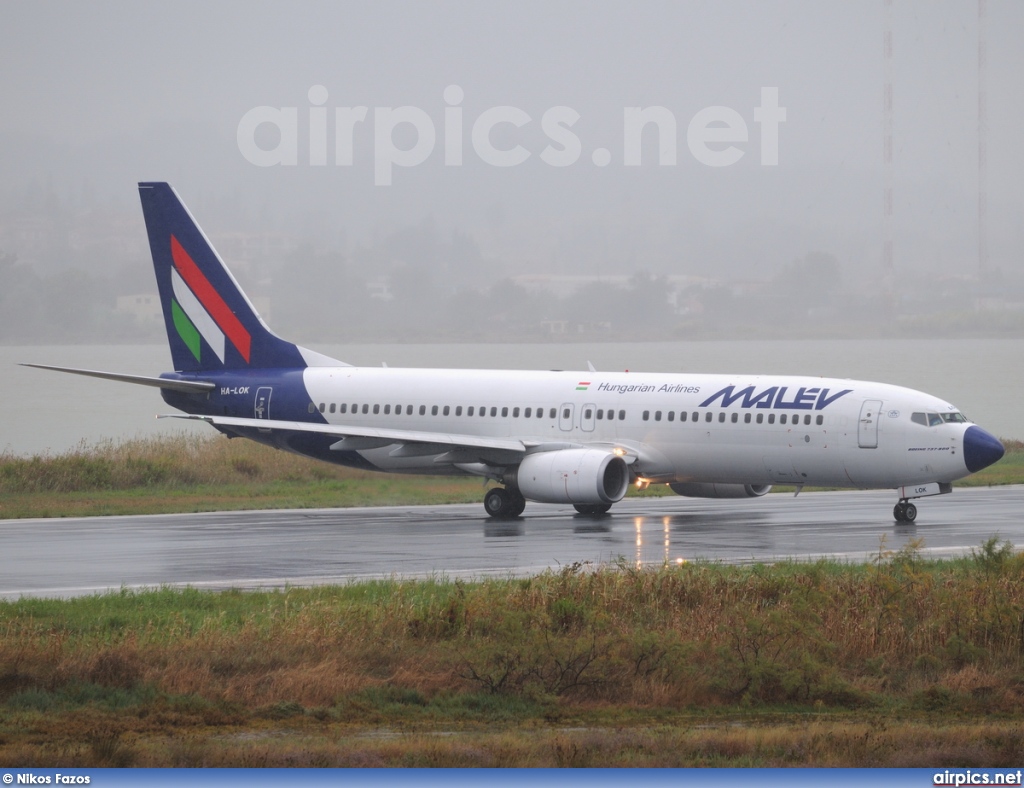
(199, 311)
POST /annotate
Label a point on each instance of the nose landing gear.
(905, 512)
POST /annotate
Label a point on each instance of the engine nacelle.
(572, 476)
(702, 490)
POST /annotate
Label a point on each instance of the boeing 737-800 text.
(549, 437)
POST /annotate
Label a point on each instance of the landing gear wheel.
(503, 503)
(592, 508)
(905, 512)
(498, 502)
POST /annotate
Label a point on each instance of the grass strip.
(903, 661)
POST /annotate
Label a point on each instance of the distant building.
(144, 307)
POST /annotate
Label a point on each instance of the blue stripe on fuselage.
(236, 394)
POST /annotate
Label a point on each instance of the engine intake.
(588, 476)
(706, 490)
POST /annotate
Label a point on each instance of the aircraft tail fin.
(211, 324)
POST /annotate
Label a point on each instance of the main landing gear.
(905, 512)
(503, 503)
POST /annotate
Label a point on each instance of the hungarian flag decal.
(198, 310)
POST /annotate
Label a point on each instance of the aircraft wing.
(359, 438)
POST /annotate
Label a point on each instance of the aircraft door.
(867, 427)
(587, 417)
(565, 414)
(261, 407)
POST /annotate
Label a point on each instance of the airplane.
(556, 437)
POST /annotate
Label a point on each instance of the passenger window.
(746, 418)
(807, 418)
(671, 415)
(600, 413)
(447, 410)
(398, 410)
(771, 418)
(331, 409)
(657, 415)
(540, 413)
(323, 407)
(622, 415)
(646, 415)
(515, 413)
(311, 408)
(527, 413)
(682, 415)
(343, 407)
(355, 408)
(387, 410)
(494, 412)
(469, 410)
(423, 410)
(708, 416)
(819, 420)
(504, 413)
(566, 413)
(721, 418)
(458, 410)
(760, 418)
(735, 417)
(366, 409)
(553, 413)
(433, 411)
(695, 415)
(408, 410)
(588, 413)
(376, 409)
(782, 419)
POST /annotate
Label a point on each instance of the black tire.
(909, 513)
(592, 508)
(900, 512)
(497, 502)
(518, 506)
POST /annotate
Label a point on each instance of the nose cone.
(981, 449)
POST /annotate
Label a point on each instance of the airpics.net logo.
(716, 136)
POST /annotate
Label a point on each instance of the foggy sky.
(97, 96)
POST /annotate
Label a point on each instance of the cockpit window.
(935, 419)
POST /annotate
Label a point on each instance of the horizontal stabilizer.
(186, 386)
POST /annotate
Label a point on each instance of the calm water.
(48, 411)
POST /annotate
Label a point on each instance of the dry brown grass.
(832, 653)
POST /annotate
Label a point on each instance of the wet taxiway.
(69, 557)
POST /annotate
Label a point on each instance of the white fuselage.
(730, 429)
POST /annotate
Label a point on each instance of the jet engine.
(585, 476)
(702, 490)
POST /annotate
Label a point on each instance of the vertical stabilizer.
(211, 324)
